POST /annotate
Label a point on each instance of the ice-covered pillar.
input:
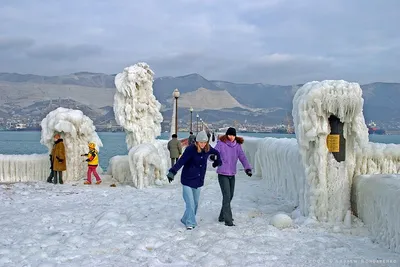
(328, 185)
(77, 130)
(137, 110)
(135, 107)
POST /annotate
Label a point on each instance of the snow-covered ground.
(74, 225)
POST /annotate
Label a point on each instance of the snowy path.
(64, 225)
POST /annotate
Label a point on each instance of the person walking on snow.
(191, 139)
(175, 149)
(230, 149)
(194, 162)
(93, 162)
(51, 175)
(58, 158)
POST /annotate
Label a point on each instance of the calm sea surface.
(114, 143)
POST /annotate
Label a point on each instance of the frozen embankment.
(375, 199)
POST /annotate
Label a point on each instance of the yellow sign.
(333, 142)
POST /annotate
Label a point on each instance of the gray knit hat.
(202, 137)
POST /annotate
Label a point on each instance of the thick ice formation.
(148, 164)
(278, 161)
(378, 158)
(77, 130)
(376, 201)
(24, 168)
(145, 165)
(138, 111)
(135, 107)
(327, 180)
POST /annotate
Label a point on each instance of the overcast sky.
(268, 41)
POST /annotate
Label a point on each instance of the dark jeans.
(173, 160)
(58, 177)
(50, 178)
(227, 184)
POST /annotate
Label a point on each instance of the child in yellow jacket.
(93, 162)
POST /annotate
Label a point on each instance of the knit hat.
(231, 131)
(202, 137)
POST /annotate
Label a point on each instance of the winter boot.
(87, 182)
(98, 182)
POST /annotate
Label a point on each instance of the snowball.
(281, 221)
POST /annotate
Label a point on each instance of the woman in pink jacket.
(230, 149)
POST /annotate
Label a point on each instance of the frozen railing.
(378, 158)
(376, 201)
(278, 161)
(24, 168)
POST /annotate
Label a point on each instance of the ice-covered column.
(135, 107)
(327, 192)
(77, 130)
(137, 110)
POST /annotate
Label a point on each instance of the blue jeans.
(191, 197)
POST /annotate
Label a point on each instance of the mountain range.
(35, 95)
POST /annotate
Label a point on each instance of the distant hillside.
(86, 79)
(208, 99)
(259, 102)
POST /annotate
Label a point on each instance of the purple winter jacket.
(230, 153)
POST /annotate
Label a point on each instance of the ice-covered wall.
(24, 168)
(145, 165)
(328, 181)
(278, 162)
(135, 107)
(378, 158)
(376, 201)
(77, 130)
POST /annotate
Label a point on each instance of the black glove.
(248, 172)
(212, 157)
(170, 176)
(215, 164)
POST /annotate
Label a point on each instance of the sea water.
(26, 142)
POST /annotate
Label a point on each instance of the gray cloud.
(15, 43)
(64, 52)
(276, 42)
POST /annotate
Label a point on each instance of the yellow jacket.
(93, 157)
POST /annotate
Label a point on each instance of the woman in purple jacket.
(230, 149)
(194, 162)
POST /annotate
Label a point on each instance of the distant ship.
(373, 129)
